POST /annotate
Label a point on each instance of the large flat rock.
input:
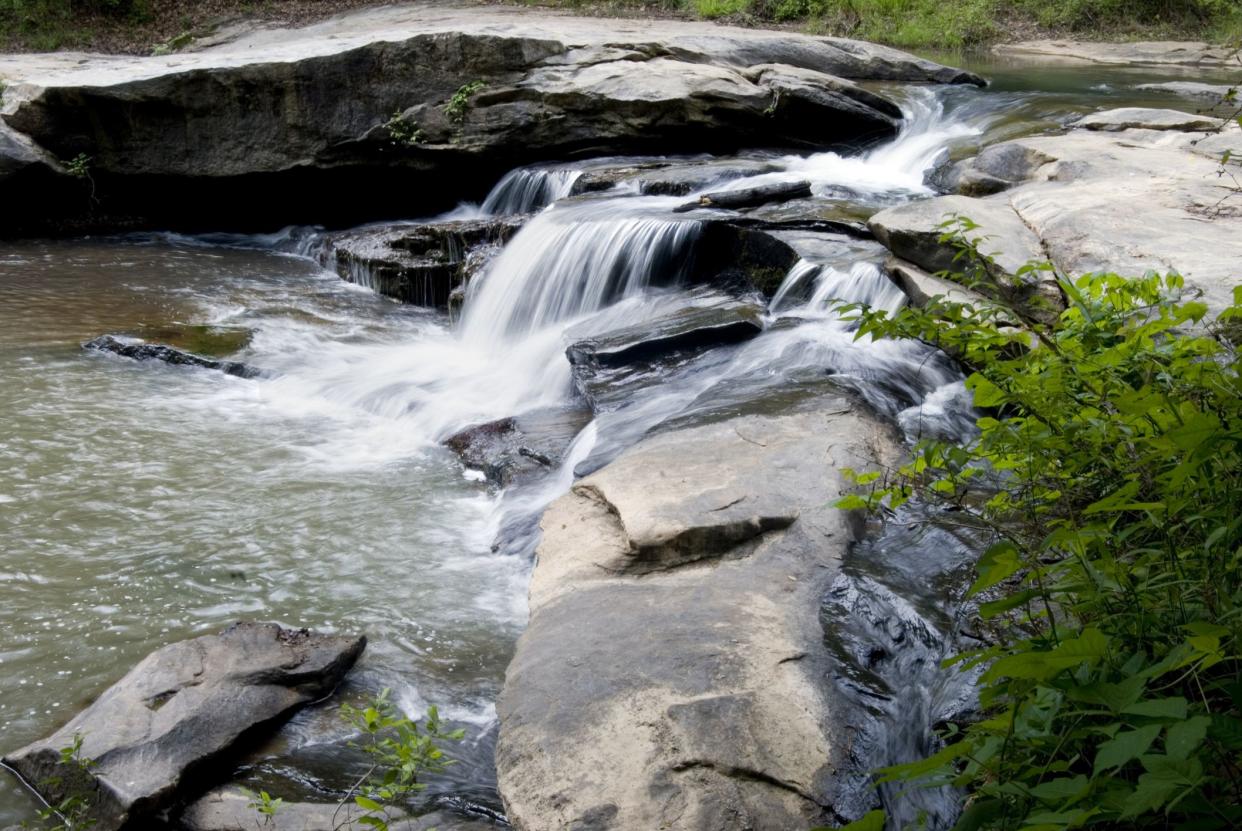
(155, 734)
(1168, 53)
(672, 672)
(1124, 201)
(298, 120)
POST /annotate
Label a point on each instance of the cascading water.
(358, 394)
(528, 189)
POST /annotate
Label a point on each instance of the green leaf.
(1164, 708)
(998, 563)
(368, 804)
(873, 821)
(1124, 748)
(1185, 736)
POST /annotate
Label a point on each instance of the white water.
(529, 189)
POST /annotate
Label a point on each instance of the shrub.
(1108, 468)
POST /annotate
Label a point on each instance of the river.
(144, 503)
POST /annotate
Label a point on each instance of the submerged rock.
(1142, 53)
(154, 736)
(672, 672)
(419, 264)
(1214, 93)
(517, 449)
(1129, 118)
(404, 109)
(140, 350)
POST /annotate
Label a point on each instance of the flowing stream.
(143, 503)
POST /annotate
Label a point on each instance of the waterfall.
(571, 261)
(528, 189)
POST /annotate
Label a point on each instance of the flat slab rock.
(1125, 202)
(672, 672)
(1143, 118)
(1143, 53)
(157, 732)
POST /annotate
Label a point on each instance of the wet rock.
(227, 809)
(749, 197)
(657, 178)
(18, 153)
(721, 539)
(156, 734)
(419, 264)
(521, 448)
(1129, 118)
(913, 232)
(355, 115)
(1214, 93)
(1149, 53)
(996, 168)
(728, 255)
(140, 350)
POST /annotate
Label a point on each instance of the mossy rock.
(212, 341)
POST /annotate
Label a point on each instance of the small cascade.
(572, 261)
(528, 189)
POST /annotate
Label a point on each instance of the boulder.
(155, 735)
(1143, 53)
(672, 675)
(404, 109)
(140, 350)
(419, 264)
(518, 449)
(996, 168)
(227, 809)
(1124, 202)
(1130, 118)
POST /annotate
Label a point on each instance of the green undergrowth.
(1108, 470)
(963, 23)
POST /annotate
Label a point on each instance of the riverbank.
(142, 27)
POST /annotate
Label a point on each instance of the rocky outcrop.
(140, 350)
(154, 735)
(1126, 202)
(1214, 93)
(396, 103)
(420, 264)
(672, 672)
(1148, 53)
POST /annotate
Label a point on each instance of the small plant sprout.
(402, 131)
(262, 803)
(72, 813)
(455, 109)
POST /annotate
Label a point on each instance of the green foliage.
(1108, 467)
(403, 132)
(400, 752)
(174, 44)
(400, 749)
(455, 109)
(72, 812)
(45, 25)
(262, 803)
(79, 167)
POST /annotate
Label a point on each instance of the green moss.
(210, 341)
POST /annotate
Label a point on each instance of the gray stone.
(1148, 53)
(1214, 93)
(301, 104)
(1124, 202)
(753, 197)
(672, 672)
(155, 734)
(1129, 118)
(419, 264)
(140, 350)
(658, 178)
(521, 448)
(997, 168)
